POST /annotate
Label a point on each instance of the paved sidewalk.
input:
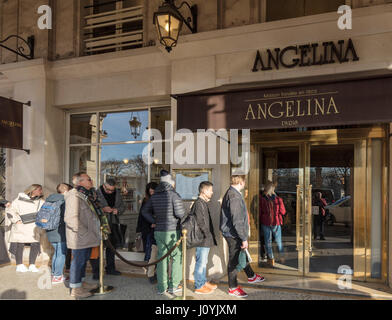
(26, 286)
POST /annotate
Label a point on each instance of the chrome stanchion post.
(102, 288)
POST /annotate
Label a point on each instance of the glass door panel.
(331, 176)
(281, 166)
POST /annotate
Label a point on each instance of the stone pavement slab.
(32, 286)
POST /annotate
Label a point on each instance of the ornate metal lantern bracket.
(20, 50)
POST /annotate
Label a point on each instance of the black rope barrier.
(110, 246)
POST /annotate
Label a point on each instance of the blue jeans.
(268, 232)
(78, 267)
(147, 246)
(58, 259)
(201, 266)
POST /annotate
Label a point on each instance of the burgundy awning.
(332, 104)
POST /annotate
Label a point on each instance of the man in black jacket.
(234, 225)
(165, 209)
(111, 202)
(204, 221)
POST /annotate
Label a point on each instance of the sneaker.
(21, 268)
(153, 280)
(257, 278)
(89, 286)
(210, 285)
(33, 268)
(204, 290)
(174, 290)
(238, 292)
(80, 293)
(56, 280)
(161, 293)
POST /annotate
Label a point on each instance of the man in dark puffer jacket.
(165, 209)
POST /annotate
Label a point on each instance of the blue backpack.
(48, 217)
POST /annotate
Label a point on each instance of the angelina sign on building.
(332, 104)
(11, 124)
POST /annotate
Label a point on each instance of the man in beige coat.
(82, 232)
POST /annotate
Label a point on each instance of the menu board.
(187, 183)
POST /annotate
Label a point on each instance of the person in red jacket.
(272, 211)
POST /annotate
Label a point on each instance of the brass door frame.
(360, 138)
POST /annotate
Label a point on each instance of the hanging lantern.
(135, 125)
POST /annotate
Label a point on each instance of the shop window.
(83, 159)
(158, 118)
(83, 128)
(125, 164)
(286, 9)
(115, 143)
(123, 126)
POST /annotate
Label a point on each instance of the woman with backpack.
(56, 236)
(22, 215)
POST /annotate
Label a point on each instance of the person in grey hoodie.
(57, 236)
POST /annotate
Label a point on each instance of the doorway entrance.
(324, 180)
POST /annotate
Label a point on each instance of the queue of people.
(160, 222)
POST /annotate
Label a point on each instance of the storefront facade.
(81, 108)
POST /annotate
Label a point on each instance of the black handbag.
(29, 218)
(118, 231)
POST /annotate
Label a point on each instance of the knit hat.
(166, 177)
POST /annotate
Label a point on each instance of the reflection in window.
(123, 126)
(83, 159)
(83, 128)
(158, 118)
(124, 163)
(158, 160)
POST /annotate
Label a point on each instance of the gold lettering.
(289, 111)
(250, 110)
(261, 111)
(309, 113)
(318, 106)
(299, 114)
(332, 103)
(280, 113)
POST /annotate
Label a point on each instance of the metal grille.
(107, 30)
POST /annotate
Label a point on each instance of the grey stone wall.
(64, 40)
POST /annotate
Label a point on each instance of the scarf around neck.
(93, 201)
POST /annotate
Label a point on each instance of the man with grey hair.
(111, 202)
(82, 232)
(165, 209)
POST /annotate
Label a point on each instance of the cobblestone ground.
(27, 286)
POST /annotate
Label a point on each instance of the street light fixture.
(135, 125)
(168, 21)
